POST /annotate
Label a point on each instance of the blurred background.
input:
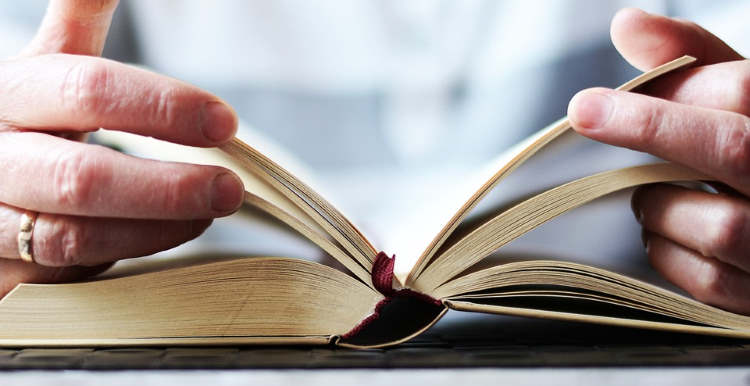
(391, 101)
(384, 83)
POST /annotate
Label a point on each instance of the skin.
(98, 206)
(698, 117)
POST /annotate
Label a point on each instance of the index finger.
(82, 93)
(52, 175)
(715, 142)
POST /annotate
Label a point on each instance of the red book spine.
(382, 279)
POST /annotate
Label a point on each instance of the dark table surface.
(489, 343)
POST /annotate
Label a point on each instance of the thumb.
(73, 27)
(647, 40)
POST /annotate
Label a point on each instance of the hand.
(699, 118)
(96, 205)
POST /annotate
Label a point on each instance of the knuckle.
(84, 87)
(74, 178)
(648, 125)
(179, 195)
(63, 243)
(72, 243)
(165, 109)
(734, 150)
(725, 239)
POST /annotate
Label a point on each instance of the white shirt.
(392, 90)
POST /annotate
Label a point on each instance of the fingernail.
(219, 122)
(590, 109)
(226, 193)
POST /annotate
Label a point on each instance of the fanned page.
(312, 203)
(408, 271)
(276, 201)
(155, 149)
(284, 196)
(492, 234)
(570, 291)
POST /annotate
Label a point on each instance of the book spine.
(382, 279)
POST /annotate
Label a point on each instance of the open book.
(369, 298)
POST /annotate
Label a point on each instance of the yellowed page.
(259, 192)
(169, 341)
(566, 316)
(536, 210)
(306, 198)
(155, 149)
(507, 163)
(558, 279)
(241, 300)
(323, 242)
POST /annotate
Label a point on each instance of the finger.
(52, 175)
(17, 271)
(64, 241)
(707, 279)
(712, 141)
(714, 225)
(73, 27)
(65, 92)
(647, 40)
(722, 86)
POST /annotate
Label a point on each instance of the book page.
(230, 302)
(259, 193)
(577, 289)
(521, 218)
(528, 149)
(568, 157)
(430, 217)
(151, 148)
(333, 222)
(247, 234)
(463, 305)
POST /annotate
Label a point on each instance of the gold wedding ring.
(25, 232)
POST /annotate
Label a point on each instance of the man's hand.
(96, 205)
(699, 118)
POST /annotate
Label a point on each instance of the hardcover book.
(368, 298)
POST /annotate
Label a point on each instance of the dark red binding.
(382, 279)
(382, 274)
